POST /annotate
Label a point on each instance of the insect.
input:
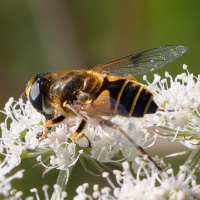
(106, 90)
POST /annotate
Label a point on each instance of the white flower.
(178, 118)
(57, 191)
(152, 186)
(179, 105)
(11, 152)
(5, 182)
(20, 135)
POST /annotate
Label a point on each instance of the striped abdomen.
(127, 97)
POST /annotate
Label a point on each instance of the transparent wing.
(103, 105)
(107, 106)
(143, 62)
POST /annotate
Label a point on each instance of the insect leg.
(162, 110)
(48, 125)
(78, 135)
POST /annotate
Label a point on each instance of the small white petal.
(184, 66)
(105, 174)
(33, 190)
(95, 187)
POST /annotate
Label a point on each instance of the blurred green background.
(41, 35)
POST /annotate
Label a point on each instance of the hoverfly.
(106, 90)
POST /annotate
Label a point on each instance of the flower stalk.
(193, 161)
(62, 180)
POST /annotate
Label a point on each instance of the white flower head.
(57, 190)
(152, 186)
(5, 183)
(179, 108)
(23, 124)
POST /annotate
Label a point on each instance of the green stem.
(62, 181)
(194, 159)
(39, 153)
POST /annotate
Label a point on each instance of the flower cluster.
(23, 123)
(5, 183)
(59, 195)
(179, 101)
(152, 185)
(178, 118)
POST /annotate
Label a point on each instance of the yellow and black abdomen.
(127, 97)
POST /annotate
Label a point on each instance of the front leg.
(48, 126)
(78, 133)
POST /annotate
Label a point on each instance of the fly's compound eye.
(37, 95)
